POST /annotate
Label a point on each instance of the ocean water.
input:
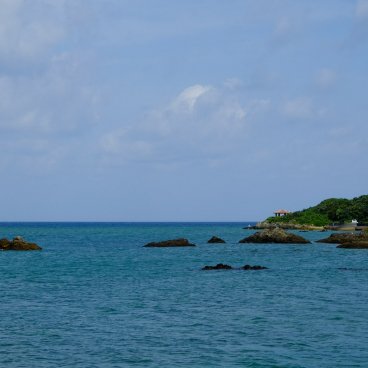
(94, 297)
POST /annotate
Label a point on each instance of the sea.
(95, 297)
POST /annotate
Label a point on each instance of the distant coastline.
(331, 214)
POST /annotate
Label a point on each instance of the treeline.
(333, 210)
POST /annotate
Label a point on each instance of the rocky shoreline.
(284, 225)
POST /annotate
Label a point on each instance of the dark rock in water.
(219, 266)
(340, 238)
(17, 244)
(275, 235)
(354, 245)
(171, 243)
(215, 239)
(253, 268)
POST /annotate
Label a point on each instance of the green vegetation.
(333, 210)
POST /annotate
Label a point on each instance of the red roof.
(282, 211)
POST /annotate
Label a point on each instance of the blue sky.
(162, 110)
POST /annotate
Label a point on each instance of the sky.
(168, 110)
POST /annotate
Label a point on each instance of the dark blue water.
(94, 297)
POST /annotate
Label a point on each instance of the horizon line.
(123, 222)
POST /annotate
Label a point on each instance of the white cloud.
(361, 10)
(202, 121)
(326, 78)
(299, 108)
(29, 29)
(121, 143)
(188, 98)
(285, 31)
(283, 27)
(233, 83)
(54, 100)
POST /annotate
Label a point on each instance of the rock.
(275, 235)
(17, 244)
(4, 244)
(215, 239)
(219, 266)
(253, 268)
(171, 243)
(339, 238)
(354, 245)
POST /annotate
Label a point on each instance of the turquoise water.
(94, 297)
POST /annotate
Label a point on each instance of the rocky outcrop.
(170, 243)
(363, 244)
(221, 266)
(340, 238)
(215, 239)
(17, 243)
(275, 235)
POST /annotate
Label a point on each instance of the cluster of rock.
(17, 243)
(181, 242)
(274, 235)
(347, 240)
(221, 266)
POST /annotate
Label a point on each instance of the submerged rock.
(219, 266)
(215, 239)
(181, 242)
(275, 235)
(17, 243)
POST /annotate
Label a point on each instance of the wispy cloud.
(27, 32)
(361, 10)
(201, 121)
(188, 98)
(325, 78)
(299, 108)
